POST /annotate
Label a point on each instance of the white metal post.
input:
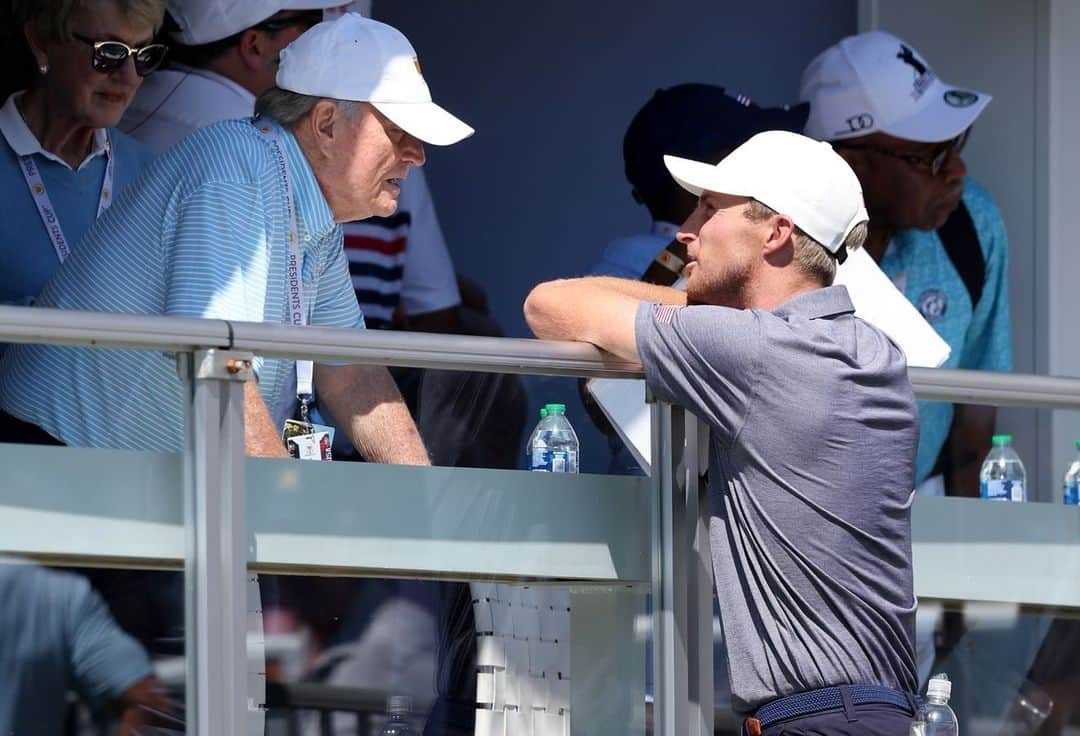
(669, 588)
(216, 550)
(699, 576)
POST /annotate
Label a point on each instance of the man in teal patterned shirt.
(936, 233)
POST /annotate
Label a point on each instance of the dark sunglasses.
(935, 162)
(308, 19)
(109, 56)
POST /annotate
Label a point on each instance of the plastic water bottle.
(935, 717)
(1002, 477)
(398, 723)
(536, 432)
(1072, 480)
(553, 447)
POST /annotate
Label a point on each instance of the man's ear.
(323, 126)
(253, 49)
(781, 235)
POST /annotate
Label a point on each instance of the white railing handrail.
(382, 347)
(451, 352)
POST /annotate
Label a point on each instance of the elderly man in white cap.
(239, 221)
(224, 55)
(813, 432)
(935, 232)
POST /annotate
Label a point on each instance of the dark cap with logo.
(697, 121)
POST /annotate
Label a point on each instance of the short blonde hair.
(810, 258)
(51, 19)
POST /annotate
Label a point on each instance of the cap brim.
(426, 121)
(697, 177)
(941, 120)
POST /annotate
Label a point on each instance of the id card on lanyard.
(294, 283)
(44, 205)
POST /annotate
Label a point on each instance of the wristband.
(670, 261)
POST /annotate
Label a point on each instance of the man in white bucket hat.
(239, 221)
(936, 233)
(813, 431)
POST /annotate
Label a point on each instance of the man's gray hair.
(810, 256)
(289, 108)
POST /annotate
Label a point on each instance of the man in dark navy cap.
(698, 121)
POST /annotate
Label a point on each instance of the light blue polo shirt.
(27, 255)
(980, 339)
(630, 257)
(202, 233)
(58, 636)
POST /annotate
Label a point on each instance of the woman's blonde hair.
(51, 19)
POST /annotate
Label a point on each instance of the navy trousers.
(872, 719)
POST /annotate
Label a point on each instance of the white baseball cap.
(794, 175)
(875, 82)
(356, 58)
(206, 21)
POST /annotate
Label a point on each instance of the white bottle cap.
(939, 686)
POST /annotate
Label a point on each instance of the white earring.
(43, 68)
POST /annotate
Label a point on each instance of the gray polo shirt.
(814, 428)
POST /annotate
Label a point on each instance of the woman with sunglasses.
(61, 161)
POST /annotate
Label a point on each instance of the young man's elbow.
(539, 309)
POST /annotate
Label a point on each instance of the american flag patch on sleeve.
(664, 313)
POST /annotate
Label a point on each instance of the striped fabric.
(202, 233)
(665, 313)
(376, 251)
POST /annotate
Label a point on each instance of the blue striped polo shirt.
(203, 232)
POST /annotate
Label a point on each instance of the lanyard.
(294, 284)
(44, 205)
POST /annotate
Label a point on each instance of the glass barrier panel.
(91, 591)
(349, 655)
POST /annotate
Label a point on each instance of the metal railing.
(216, 558)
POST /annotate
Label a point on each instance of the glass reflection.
(66, 663)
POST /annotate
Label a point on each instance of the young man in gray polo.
(813, 424)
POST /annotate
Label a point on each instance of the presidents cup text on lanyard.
(49, 218)
(294, 285)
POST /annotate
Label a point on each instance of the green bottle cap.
(556, 408)
(1078, 443)
(1001, 439)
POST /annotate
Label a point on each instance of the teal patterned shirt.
(980, 338)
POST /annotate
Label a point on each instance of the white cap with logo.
(206, 21)
(875, 82)
(356, 58)
(794, 175)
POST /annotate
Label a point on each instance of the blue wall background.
(550, 87)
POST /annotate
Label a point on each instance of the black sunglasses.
(935, 162)
(109, 56)
(307, 18)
